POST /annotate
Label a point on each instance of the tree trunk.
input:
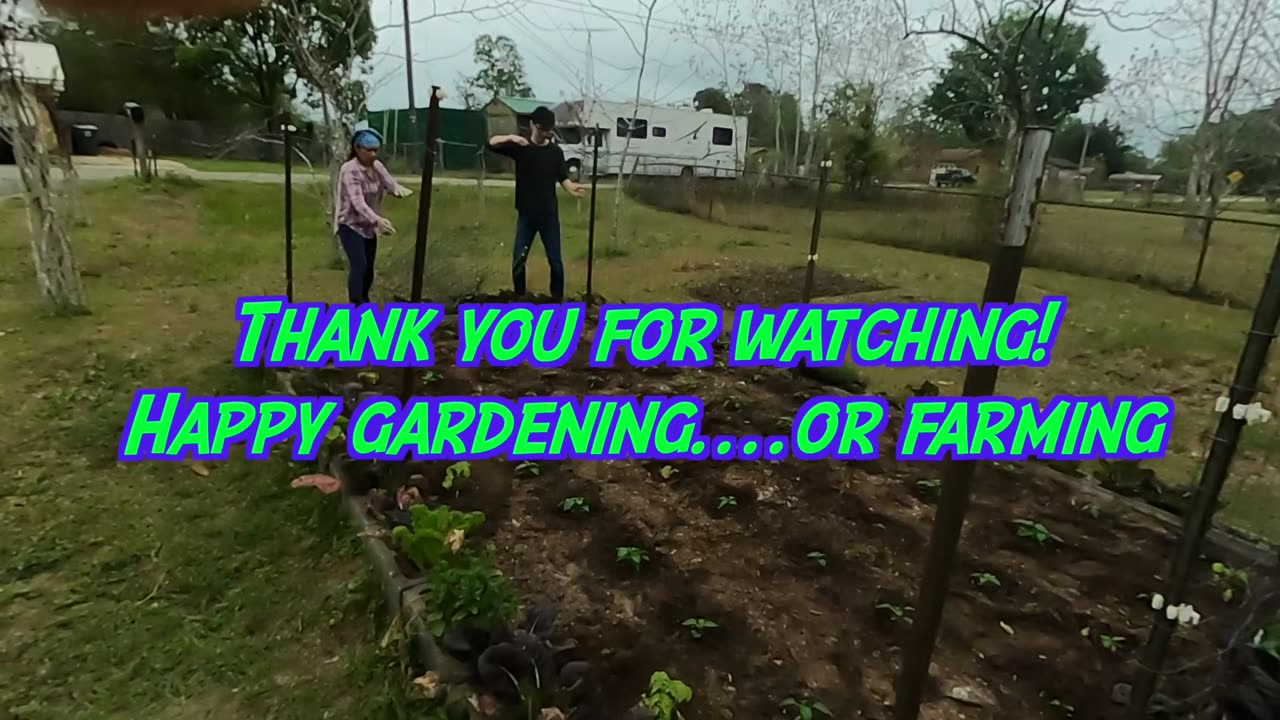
(333, 143)
(56, 272)
(1198, 196)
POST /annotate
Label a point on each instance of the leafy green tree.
(141, 58)
(850, 120)
(1106, 140)
(501, 71)
(1022, 69)
(714, 99)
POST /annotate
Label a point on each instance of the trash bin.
(84, 139)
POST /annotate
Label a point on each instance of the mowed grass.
(165, 590)
(152, 590)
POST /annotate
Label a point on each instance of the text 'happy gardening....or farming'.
(169, 424)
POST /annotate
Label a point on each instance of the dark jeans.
(548, 228)
(361, 252)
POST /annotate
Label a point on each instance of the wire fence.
(1162, 249)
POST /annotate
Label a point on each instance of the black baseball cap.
(543, 118)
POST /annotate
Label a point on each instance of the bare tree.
(641, 48)
(1228, 47)
(57, 275)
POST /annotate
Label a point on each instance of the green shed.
(507, 115)
(462, 136)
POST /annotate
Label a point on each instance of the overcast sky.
(552, 36)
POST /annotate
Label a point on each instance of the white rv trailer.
(664, 140)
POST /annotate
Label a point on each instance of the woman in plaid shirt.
(362, 183)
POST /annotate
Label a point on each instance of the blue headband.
(367, 139)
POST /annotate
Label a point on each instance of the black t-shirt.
(539, 169)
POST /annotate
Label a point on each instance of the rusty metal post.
(591, 221)
(1244, 386)
(424, 219)
(288, 131)
(1002, 287)
(823, 175)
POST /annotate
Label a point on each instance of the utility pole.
(408, 59)
(1088, 133)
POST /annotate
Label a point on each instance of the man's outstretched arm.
(506, 144)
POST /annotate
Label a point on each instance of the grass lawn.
(158, 591)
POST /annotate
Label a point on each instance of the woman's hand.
(385, 227)
(403, 192)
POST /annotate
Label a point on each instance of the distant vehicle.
(664, 140)
(953, 177)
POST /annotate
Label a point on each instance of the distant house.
(1138, 188)
(1064, 180)
(924, 161)
(39, 69)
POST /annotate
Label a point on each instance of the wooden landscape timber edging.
(1237, 547)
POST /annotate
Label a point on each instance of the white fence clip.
(1252, 414)
(813, 257)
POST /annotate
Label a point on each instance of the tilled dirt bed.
(806, 567)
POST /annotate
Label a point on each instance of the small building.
(1138, 188)
(1064, 180)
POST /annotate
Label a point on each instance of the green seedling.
(455, 473)
(818, 557)
(804, 709)
(430, 376)
(633, 555)
(594, 381)
(897, 613)
(665, 695)
(1231, 581)
(1111, 643)
(727, 501)
(1267, 639)
(985, 579)
(667, 472)
(930, 487)
(575, 504)
(528, 468)
(368, 377)
(697, 626)
(1035, 531)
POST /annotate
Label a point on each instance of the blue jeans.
(548, 228)
(361, 252)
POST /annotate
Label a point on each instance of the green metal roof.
(525, 106)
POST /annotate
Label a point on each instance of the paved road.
(11, 183)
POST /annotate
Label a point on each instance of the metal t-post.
(424, 219)
(1244, 386)
(1002, 287)
(591, 221)
(288, 131)
(823, 174)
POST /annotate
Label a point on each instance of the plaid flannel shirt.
(360, 192)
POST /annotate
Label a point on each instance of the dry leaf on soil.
(326, 484)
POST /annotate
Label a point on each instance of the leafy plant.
(931, 486)
(455, 472)
(1231, 581)
(435, 534)
(1035, 531)
(665, 695)
(667, 471)
(368, 377)
(818, 557)
(727, 501)
(897, 612)
(468, 589)
(633, 555)
(528, 468)
(985, 579)
(1267, 639)
(697, 626)
(805, 709)
(1093, 512)
(430, 376)
(1111, 643)
(575, 504)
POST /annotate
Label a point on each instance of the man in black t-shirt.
(540, 167)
